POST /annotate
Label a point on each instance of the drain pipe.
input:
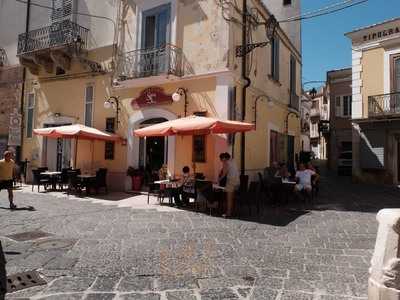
(22, 107)
(246, 85)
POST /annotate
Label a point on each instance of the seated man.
(187, 184)
(304, 178)
(270, 172)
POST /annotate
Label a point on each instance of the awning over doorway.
(76, 131)
(194, 125)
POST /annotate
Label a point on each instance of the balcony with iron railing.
(143, 63)
(56, 35)
(386, 105)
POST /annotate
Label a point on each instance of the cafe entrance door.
(153, 151)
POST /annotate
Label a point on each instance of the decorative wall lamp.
(270, 104)
(113, 102)
(177, 96)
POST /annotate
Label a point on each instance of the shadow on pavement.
(3, 274)
(275, 216)
(27, 208)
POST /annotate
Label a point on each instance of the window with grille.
(199, 148)
(30, 115)
(109, 150)
(89, 96)
(110, 125)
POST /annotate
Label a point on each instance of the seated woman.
(187, 185)
(163, 173)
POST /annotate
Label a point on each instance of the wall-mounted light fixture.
(177, 96)
(113, 102)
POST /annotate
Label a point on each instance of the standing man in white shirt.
(304, 178)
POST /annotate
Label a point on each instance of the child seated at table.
(305, 180)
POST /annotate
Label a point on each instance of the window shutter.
(350, 105)
(273, 45)
(345, 106)
(89, 93)
(277, 60)
(338, 107)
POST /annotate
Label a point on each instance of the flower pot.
(136, 183)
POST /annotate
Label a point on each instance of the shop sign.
(381, 34)
(152, 96)
(14, 131)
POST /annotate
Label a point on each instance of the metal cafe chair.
(101, 180)
(39, 179)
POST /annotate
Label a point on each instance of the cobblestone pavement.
(98, 251)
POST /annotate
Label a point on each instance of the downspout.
(22, 108)
(246, 85)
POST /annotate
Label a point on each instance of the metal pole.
(76, 151)
(247, 84)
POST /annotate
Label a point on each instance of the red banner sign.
(152, 96)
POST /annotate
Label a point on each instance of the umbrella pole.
(76, 151)
(91, 163)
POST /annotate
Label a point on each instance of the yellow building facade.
(162, 48)
(376, 102)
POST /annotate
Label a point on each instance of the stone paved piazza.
(98, 251)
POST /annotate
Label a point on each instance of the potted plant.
(136, 176)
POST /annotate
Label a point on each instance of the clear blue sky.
(324, 45)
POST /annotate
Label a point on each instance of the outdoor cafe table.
(171, 186)
(87, 180)
(288, 188)
(52, 177)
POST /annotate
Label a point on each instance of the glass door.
(395, 97)
(155, 35)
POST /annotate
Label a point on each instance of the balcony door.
(395, 84)
(62, 10)
(156, 32)
(396, 73)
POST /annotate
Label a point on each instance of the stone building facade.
(160, 47)
(339, 92)
(10, 104)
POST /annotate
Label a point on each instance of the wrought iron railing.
(56, 35)
(294, 101)
(142, 63)
(383, 105)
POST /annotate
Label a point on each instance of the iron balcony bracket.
(242, 51)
